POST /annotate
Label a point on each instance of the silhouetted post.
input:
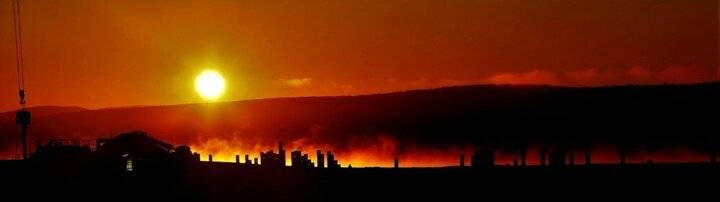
(209, 157)
(523, 156)
(196, 156)
(237, 159)
(247, 159)
(396, 162)
(542, 156)
(462, 160)
(557, 158)
(255, 161)
(588, 157)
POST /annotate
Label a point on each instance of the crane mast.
(22, 117)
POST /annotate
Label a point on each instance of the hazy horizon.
(375, 93)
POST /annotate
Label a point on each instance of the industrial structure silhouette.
(137, 147)
(135, 164)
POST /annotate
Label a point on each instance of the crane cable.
(19, 52)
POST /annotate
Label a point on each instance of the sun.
(210, 85)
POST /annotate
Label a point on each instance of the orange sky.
(115, 53)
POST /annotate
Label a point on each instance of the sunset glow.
(139, 53)
(210, 85)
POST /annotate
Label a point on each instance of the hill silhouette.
(508, 118)
(41, 111)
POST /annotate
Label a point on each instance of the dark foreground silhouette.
(134, 166)
(231, 182)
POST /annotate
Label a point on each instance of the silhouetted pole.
(237, 159)
(255, 160)
(247, 159)
(397, 162)
(462, 160)
(558, 158)
(588, 157)
(209, 157)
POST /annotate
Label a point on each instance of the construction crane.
(22, 117)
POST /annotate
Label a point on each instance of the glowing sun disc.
(210, 85)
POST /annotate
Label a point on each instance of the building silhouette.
(61, 150)
(320, 159)
(281, 153)
(270, 159)
(185, 154)
(331, 162)
(139, 152)
(299, 160)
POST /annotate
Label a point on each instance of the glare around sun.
(210, 85)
